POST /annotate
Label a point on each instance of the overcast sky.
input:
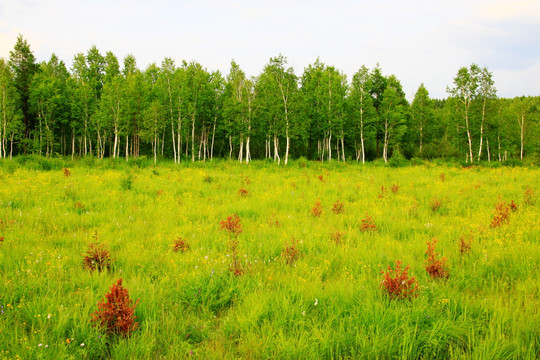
(419, 41)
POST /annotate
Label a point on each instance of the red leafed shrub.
(181, 245)
(321, 178)
(383, 192)
(243, 192)
(97, 257)
(234, 228)
(2, 239)
(513, 206)
(442, 177)
(290, 252)
(273, 221)
(465, 244)
(395, 188)
(528, 196)
(317, 209)
(116, 313)
(67, 173)
(435, 204)
(338, 207)
(397, 283)
(368, 224)
(247, 180)
(502, 215)
(336, 237)
(435, 265)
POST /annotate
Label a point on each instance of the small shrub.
(116, 313)
(321, 178)
(442, 177)
(181, 245)
(336, 236)
(513, 206)
(368, 224)
(97, 257)
(435, 204)
(208, 179)
(243, 192)
(67, 173)
(293, 185)
(273, 221)
(247, 180)
(338, 207)
(502, 215)
(397, 284)
(290, 252)
(383, 192)
(2, 239)
(317, 209)
(234, 228)
(435, 265)
(528, 196)
(465, 244)
(394, 188)
(160, 192)
(79, 208)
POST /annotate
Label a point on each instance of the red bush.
(336, 237)
(397, 283)
(368, 224)
(435, 266)
(181, 245)
(338, 207)
(97, 257)
(317, 209)
(383, 192)
(234, 228)
(67, 173)
(465, 245)
(243, 192)
(290, 252)
(502, 215)
(116, 313)
(395, 188)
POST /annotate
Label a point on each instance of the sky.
(419, 41)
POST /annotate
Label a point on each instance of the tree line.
(102, 107)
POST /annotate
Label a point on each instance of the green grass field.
(328, 304)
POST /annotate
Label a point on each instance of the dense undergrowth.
(309, 286)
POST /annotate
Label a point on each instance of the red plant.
(383, 192)
(97, 257)
(336, 237)
(435, 204)
(513, 206)
(274, 222)
(435, 265)
(397, 283)
(394, 188)
(234, 228)
(243, 192)
(290, 252)
(502, 215)
(368, 224)
(181, 245)
(67, 173)
(442, 177)
(2, 239)
(317, 209)
(321, 178)
(465, 245)
(528, 196)
(116, 313)
(232, 225)
(160, 192)
(338, 207)
(247, 180)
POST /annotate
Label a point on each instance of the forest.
(103, 107)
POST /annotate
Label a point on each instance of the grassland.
(327, 304)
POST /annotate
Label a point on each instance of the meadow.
(315, 241)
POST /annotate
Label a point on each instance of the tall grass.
(328, 303)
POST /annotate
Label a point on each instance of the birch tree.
(464, 91)
(486, 92)
(363, 112)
